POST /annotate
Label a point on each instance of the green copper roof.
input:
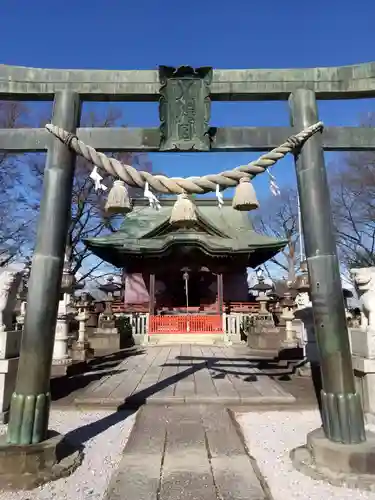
(219, 231)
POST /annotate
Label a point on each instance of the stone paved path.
(186, 452)
(185, 374)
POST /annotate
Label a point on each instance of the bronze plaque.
(185, 108)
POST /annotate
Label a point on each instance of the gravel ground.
(270, 436)
(103, 435)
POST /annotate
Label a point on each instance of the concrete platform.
(185, 374)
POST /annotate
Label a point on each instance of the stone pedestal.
(309, 344)
(81, 351)
(105, 340)
(364, 372)
(363, 359)
(290, 340)
(263, 335)
(363, 342)
(27, 467)
(339, 464)
(10, 343)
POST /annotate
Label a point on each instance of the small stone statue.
(364, 281)
(10, 280)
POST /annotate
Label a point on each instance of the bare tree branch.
(278, 217)
(353, 206)
(88, 217)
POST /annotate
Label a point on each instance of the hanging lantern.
(183, 212)
(118, 201)
(245, 198)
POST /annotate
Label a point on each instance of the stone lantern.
(262, 288)
(276, 307)
(80, 347)
(22, 295)
(106, 337)
(107, 318)
(288, 306)
(263, 334)
(61, 359)
(304, 313)
(302, 287)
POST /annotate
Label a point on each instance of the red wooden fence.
(245, 307)
(186, 324)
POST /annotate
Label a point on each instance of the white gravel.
(270, 436)
(103, 444)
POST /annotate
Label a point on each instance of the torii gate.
(341, 409)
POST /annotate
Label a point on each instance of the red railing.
(118, 306)
(186, 324)
(245, 307)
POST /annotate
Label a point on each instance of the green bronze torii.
(191, 89)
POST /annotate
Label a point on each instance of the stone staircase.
(187, 338)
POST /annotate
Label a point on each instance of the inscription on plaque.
(184, 108)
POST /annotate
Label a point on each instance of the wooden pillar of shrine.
(123, 285)
(220, 292)
(151, 293)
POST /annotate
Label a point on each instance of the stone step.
(187, 338)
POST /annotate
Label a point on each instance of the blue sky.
(238, 34)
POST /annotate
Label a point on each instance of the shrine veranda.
(191, 130)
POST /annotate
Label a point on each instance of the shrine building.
(177, 272)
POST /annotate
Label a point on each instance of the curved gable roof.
(144, 221)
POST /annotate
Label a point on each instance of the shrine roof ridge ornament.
(341, 82)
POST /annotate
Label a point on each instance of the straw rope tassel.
(118, 201)
(245, 198)
(183, 212)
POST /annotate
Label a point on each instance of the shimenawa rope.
(178, 185)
